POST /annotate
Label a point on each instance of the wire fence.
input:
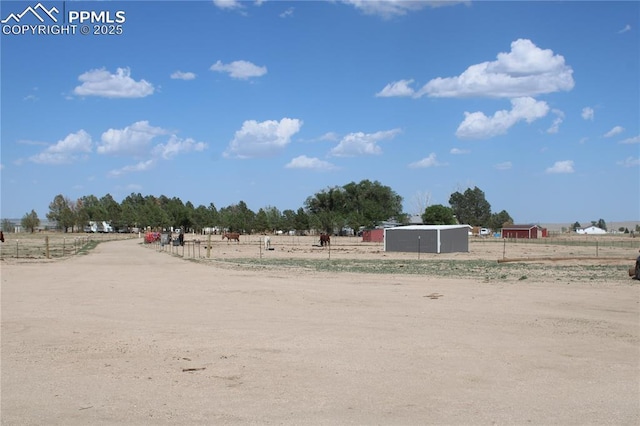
(573, 241)
(52, 245)
(56, 245)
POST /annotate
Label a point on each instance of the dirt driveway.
(129, 335)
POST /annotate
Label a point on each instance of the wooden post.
(46, 244)
(504, 248)
(209, 246)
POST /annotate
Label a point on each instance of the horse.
(267, 242)
(231, 236)
(325, 240)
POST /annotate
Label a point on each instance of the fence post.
(504, 248)
(17, 250)
(46, 244)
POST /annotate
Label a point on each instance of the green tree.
(471, 207)
(355, 204)
(112, 211)
(438, 214)
(237, 218)
(261, 224)
(498, 220)
(325, 209)
(7, 225)
(185, 221)
(30, 221)
(575, 226)
(301, 221)
(61, 211)
(370, 203)
(132, 210)
(200, 218)
(88, 208)
(602, 224)
(288, 220)
(153, 214)
(274, 218)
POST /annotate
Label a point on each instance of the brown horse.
(231, 236)
(325, 240)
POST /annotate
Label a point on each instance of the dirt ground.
(131, 334)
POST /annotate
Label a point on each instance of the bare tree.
(419, 202)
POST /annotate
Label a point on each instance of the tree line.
(354, 206)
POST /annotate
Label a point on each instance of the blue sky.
(270, 102)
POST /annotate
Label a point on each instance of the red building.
(524, 231)
(373, 236)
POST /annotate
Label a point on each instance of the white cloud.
(72, 148)
(304, 162)
(262, 139)
(629, 141)
(476, 125)
(142, 166)
(360, 143)
(458, 151)
(179, 75)
(137, 137)
(625, 29)
(613, 132)
(555, 126)
(240, 69)
(132, 140)
(587, 113)
(228, 4)
(329, 136)
(430, 161)
(504, 166)
(525, 71)
(100, 82)
(630, 162)
(287, 13)
(175, 146)
(390, 8)
(561, 167)
(397, 88)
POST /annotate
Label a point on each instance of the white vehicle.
(485, 231)
(100, 226)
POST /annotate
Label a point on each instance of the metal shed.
(427, 238)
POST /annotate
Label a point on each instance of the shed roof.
(429, 227)
(527, 227)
